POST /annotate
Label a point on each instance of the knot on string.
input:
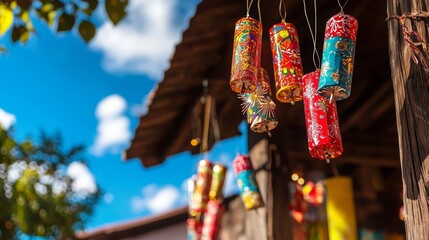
(419, 47)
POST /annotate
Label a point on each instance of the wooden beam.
(364, 110)
(382, 108)
(363, 160)
(359, 149)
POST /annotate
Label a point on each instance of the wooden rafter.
(364, 110)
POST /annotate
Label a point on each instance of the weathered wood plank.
(411, 88)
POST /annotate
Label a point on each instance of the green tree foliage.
(61, 15)
(37, 197)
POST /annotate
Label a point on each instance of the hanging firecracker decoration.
(218, 179)
(287, 63)
(340, 208)
(247, 183)
(191, 187)
(200, 196)
(313, 193)
(259, 107)
(298, 207)
(323, 131)
(246, 57)
(338, 57)
(212, 220)
(194, 228)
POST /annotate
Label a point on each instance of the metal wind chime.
(319, 89)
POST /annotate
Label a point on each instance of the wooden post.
(273, 220)
(411, 89)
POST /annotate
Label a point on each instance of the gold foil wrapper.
(218, 179)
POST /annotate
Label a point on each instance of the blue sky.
(93, 93)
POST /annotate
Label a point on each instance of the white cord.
(313, 35)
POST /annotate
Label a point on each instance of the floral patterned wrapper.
(259, 107)
(246, 57)
(247, 183)
(212, 220)
(194, 228)
(263, 80)
(287, 62)
(338, 57)
(323, 131)
(219, 173)
(241, 163)
(200, 196)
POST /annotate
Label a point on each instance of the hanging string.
(334, 169)
(259, 11)
(215, 122)
(342, 6)
(248, 6)
(282, 14)
(313, 35)
(206, 124)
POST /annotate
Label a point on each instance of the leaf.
(86, 30)
(66, 22)
(116, 10)
(25, 17)
(47, 12)
(51, 17)
(47, 7)
(92, 5)
(20, 33)
(6, 19)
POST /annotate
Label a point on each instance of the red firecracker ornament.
(212, 220)
(194, 228)
(287, 63)
(313, 193)
(200, 196)
(246, 57)
(298, 207)
(323, 131)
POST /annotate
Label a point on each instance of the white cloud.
(144, 41)
(111, 107)
(155, 199)
(113, 130)
(83, 180)
(6, 119)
